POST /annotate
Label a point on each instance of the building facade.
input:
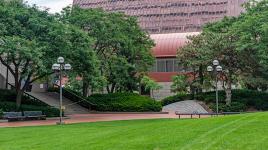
(169, 16)
(169, 22)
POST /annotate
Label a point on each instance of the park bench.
(34, 115)
(195, 114)
(13, 116)
(231, 113)
(205, 114)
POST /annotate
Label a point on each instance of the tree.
(122, 47)
(191, 56)
(252, 30)
(150, 84)
(31, 40)
(240, 44)
(218, 42)
(180, 83)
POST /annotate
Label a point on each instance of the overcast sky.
(53, 5)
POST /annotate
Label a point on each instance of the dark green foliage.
(124, 102)
(8, 103)
(47, 110)
(10, 96)
(123, 48)
(1, 113)
(31, 40)
(241, 100)
(118, 102)
(255, 99)
(234, 107)
(210, 97)
(176, 98)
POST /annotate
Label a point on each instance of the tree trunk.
(228, 92)
(153, 94)
(18, 99)
(113, 88)
(108, 89)
(85, 89)
(19, 92)
(201, 76)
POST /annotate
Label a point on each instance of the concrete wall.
(39, 87)
(3, 72)
(164, 92)
(2, 82)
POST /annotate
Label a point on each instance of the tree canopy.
(31, 40)
(239, 43)
(122, 47)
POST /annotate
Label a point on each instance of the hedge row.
(10, 96)
(115, 102)
(47, 110)
(8, 104)
(249, 98)
(176, 98)
(124, 102)
(241, 100)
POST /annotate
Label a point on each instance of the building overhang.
(167, 45)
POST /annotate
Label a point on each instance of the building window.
(170, 65)
(161, 65)
(167, 65)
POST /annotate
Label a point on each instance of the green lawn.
(241, 132)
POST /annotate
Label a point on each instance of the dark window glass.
(170, 65)
(161, 66)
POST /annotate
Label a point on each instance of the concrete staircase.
(52, 99)
(189, 106)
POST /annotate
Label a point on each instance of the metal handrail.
(25, 93)
(81, 99)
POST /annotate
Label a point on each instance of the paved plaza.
(80, 118)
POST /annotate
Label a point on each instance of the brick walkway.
(79, 118)
(83, 118)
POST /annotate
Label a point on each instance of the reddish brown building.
(169, 22)
(169, 16)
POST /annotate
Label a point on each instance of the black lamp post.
(216, 68)
(61, 66)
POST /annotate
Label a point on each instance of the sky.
(53, 5)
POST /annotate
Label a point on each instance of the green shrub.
(1, 113)
(261, 105)
(241, 100)
(210, 97)
(8, 103)
(124, 102)
(234, 107)
(47, 110)
(176, 98)
(10, 96)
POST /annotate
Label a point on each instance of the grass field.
(241, 132)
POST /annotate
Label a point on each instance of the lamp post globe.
(209, 68)
(55, 67)
(219, 68)
(60, 60)
(67, 67)
(216, 62)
